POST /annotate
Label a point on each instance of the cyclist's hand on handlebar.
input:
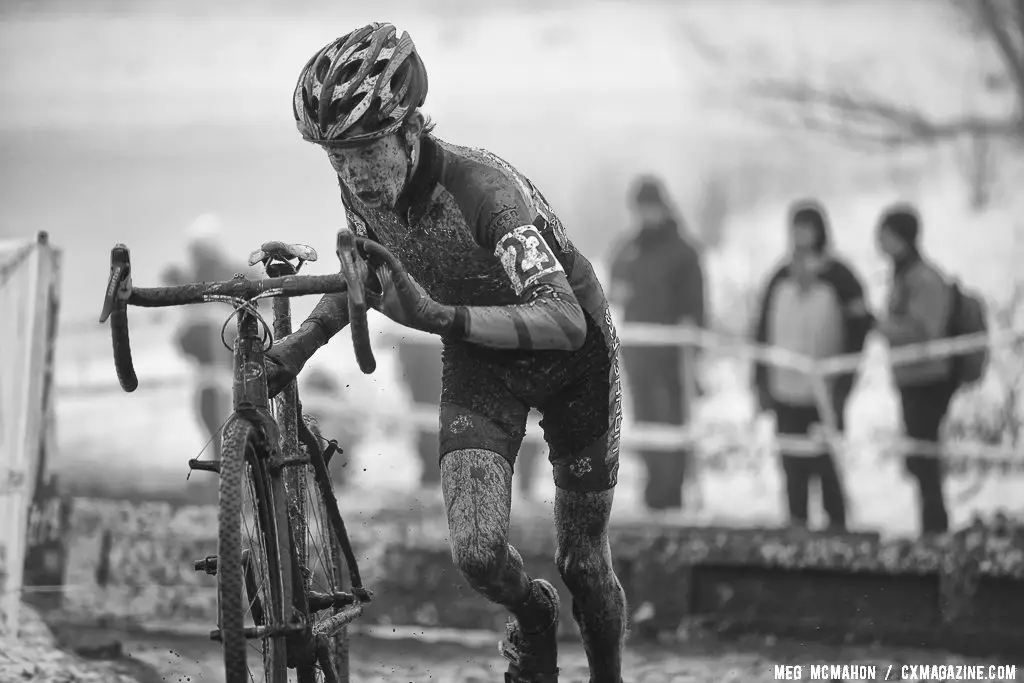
(289, 355)
(279, 373)
(401, 299)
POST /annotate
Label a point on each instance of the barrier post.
(25, 419)
(692, 482)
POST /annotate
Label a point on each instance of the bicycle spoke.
(326, 578)
(254, 551)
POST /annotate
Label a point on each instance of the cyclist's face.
(374, 172)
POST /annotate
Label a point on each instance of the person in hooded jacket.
(921, 301)
(814, 305)
(657, 277)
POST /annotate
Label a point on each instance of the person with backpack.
(924, 306)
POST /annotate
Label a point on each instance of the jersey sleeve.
(548, 315)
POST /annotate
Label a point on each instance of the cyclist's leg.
(582, 425)
(482, 426)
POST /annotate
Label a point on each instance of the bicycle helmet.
(370, 78)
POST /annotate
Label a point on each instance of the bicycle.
(266, 588)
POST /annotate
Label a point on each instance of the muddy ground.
(412, 656)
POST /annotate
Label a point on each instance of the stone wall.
(134, 563)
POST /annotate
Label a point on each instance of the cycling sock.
(536, 613)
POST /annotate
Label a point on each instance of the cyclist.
(524, 322)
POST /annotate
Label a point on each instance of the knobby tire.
(244, 464)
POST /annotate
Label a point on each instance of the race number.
(526, 257)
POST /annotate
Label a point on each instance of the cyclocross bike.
(281, 539)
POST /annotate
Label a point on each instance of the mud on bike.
(281, 538)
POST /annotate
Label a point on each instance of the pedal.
(336, 600)
(208, 564)
(278, 463)
(261, 632)
(204, 465)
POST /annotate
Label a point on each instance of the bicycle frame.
(251, 402)
(283, 437)
(289, 417)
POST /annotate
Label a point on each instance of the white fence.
(689, 338)
(29, 273)
(647, 436)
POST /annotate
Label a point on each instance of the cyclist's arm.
(329, 317)
(548, 315)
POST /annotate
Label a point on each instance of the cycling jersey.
(474, 232)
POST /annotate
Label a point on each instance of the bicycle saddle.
(282, 252)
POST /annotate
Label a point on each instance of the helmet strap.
(413, 154)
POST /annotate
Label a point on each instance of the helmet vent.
(323, 65)
(342, 108)
(348, 72)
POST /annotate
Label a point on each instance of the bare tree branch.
(868, 120)
(999, 26)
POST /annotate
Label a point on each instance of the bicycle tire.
(324, 561)
(333, 567)
(242, 461)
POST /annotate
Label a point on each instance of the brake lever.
(354, 270)
(119, 284)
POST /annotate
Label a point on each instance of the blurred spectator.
(657, 277)
(812, 305)
(420, 368)
(920, 306)
(200, 334)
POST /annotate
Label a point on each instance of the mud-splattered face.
(374, 172)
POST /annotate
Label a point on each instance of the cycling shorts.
(487, 395)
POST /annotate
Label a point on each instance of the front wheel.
(249, 559)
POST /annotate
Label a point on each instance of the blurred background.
(167, 126)
(158, 124)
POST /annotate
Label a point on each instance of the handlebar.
(354, 270)
(120, 294)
